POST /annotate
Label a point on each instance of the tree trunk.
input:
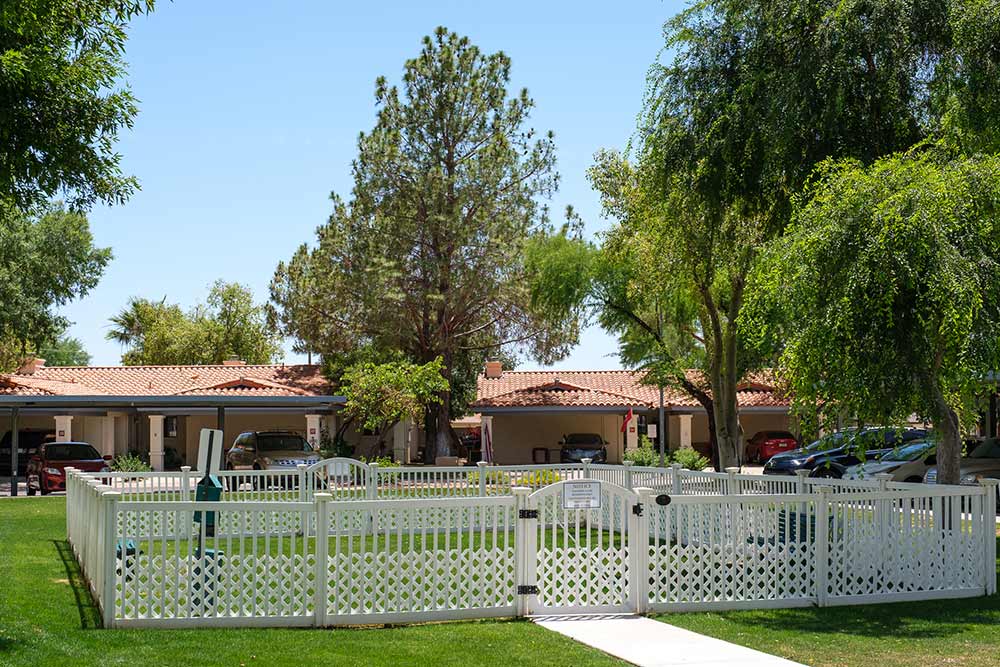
(443, 437)
(949, 449)
(430, 432)
(726, 411)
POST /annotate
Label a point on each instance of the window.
(170, 427)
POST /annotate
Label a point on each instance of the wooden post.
(322, 501)
(822, 544)
(482, 478)
(109, 549)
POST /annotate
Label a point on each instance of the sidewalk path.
(649, 643)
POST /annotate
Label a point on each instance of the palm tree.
(128, 325)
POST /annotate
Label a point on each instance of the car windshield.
(282, 442)
(71, 452)
(911, 452)
(990, 449)
(831, 441)
(584, 439)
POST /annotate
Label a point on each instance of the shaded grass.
(953, 632)
(47, 618)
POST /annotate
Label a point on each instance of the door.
(580, 546)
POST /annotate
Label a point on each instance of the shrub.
(690, 459)
(129, 463)
(539, 478)
(645, 454)
(494, 477)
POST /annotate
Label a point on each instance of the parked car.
(269, 450)
(908, 463)
(831, 455)
(765, 444)
(46, 470)
(982, 462)
(578, 446)
(28, 442)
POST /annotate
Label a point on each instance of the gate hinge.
(527, 590)
(637, 509)
(527, 514)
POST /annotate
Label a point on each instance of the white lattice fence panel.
(583, 577)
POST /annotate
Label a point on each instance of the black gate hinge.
(527, 514)
(637, 509)
(527, 590)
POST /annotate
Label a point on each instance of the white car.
(908, 463)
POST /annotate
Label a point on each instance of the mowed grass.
(963, 633)
(48, 618)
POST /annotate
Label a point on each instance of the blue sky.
(249, 115)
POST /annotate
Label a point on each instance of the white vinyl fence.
(345, 543)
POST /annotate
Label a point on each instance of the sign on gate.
(582, 494)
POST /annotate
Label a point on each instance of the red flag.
(627, 419)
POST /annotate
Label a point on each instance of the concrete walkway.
(649, 643)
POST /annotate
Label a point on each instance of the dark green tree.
(62, 101)
(427, 257)
(64, 351)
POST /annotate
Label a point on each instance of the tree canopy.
(46, 260)
(65, 351)
(228, 325)
(426, 258)
(889, 280)
(62, 101)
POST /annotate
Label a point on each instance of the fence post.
(322, 501)
(72, 498)
(639, 550)
(185, 483)
(628, 474)
(110, 551)
(371, 492)
(989, 532)
(800, 482)
(524, 550)
(822, 544)
(303, 498)
(676, 479)
(732, 484)
(586, 467)
(482, 477)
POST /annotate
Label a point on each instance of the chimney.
(234, 361)
(494, 369)
(29, 366)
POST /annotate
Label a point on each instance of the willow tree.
(758, 93)
(427, 257)
(890, 282)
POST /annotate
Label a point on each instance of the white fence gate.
(581, 544)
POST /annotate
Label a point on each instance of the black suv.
(832, 454)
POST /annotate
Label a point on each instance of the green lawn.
(47, 618)
(964, 633)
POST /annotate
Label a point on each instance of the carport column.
(486, 434)
(64, 428)
(685, 430)
(313, 430)
(108, 435)
(632, 434)
(156, 442)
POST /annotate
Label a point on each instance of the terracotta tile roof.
(256, 380)
(614, 389)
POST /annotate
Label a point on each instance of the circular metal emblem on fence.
(663, 500)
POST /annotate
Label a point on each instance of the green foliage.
(427, 258)
(379, 395)
(129, 463)
(61, 65)
(690, 459)
(66, 351)
(228, 325)
(890, 283)
(540, 478)
(493, 478)
(334, 445)
(46, 261)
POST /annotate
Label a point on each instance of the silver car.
(982, 462)
(908, 463)
(270, 450)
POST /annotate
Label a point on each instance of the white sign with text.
(583, 494)
(211, 439)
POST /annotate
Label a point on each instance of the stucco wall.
(515, 435)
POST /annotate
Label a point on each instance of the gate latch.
(527, 514)
(527, 590)
(637, 509)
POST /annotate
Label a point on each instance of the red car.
(765, 444)
(46, 469)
